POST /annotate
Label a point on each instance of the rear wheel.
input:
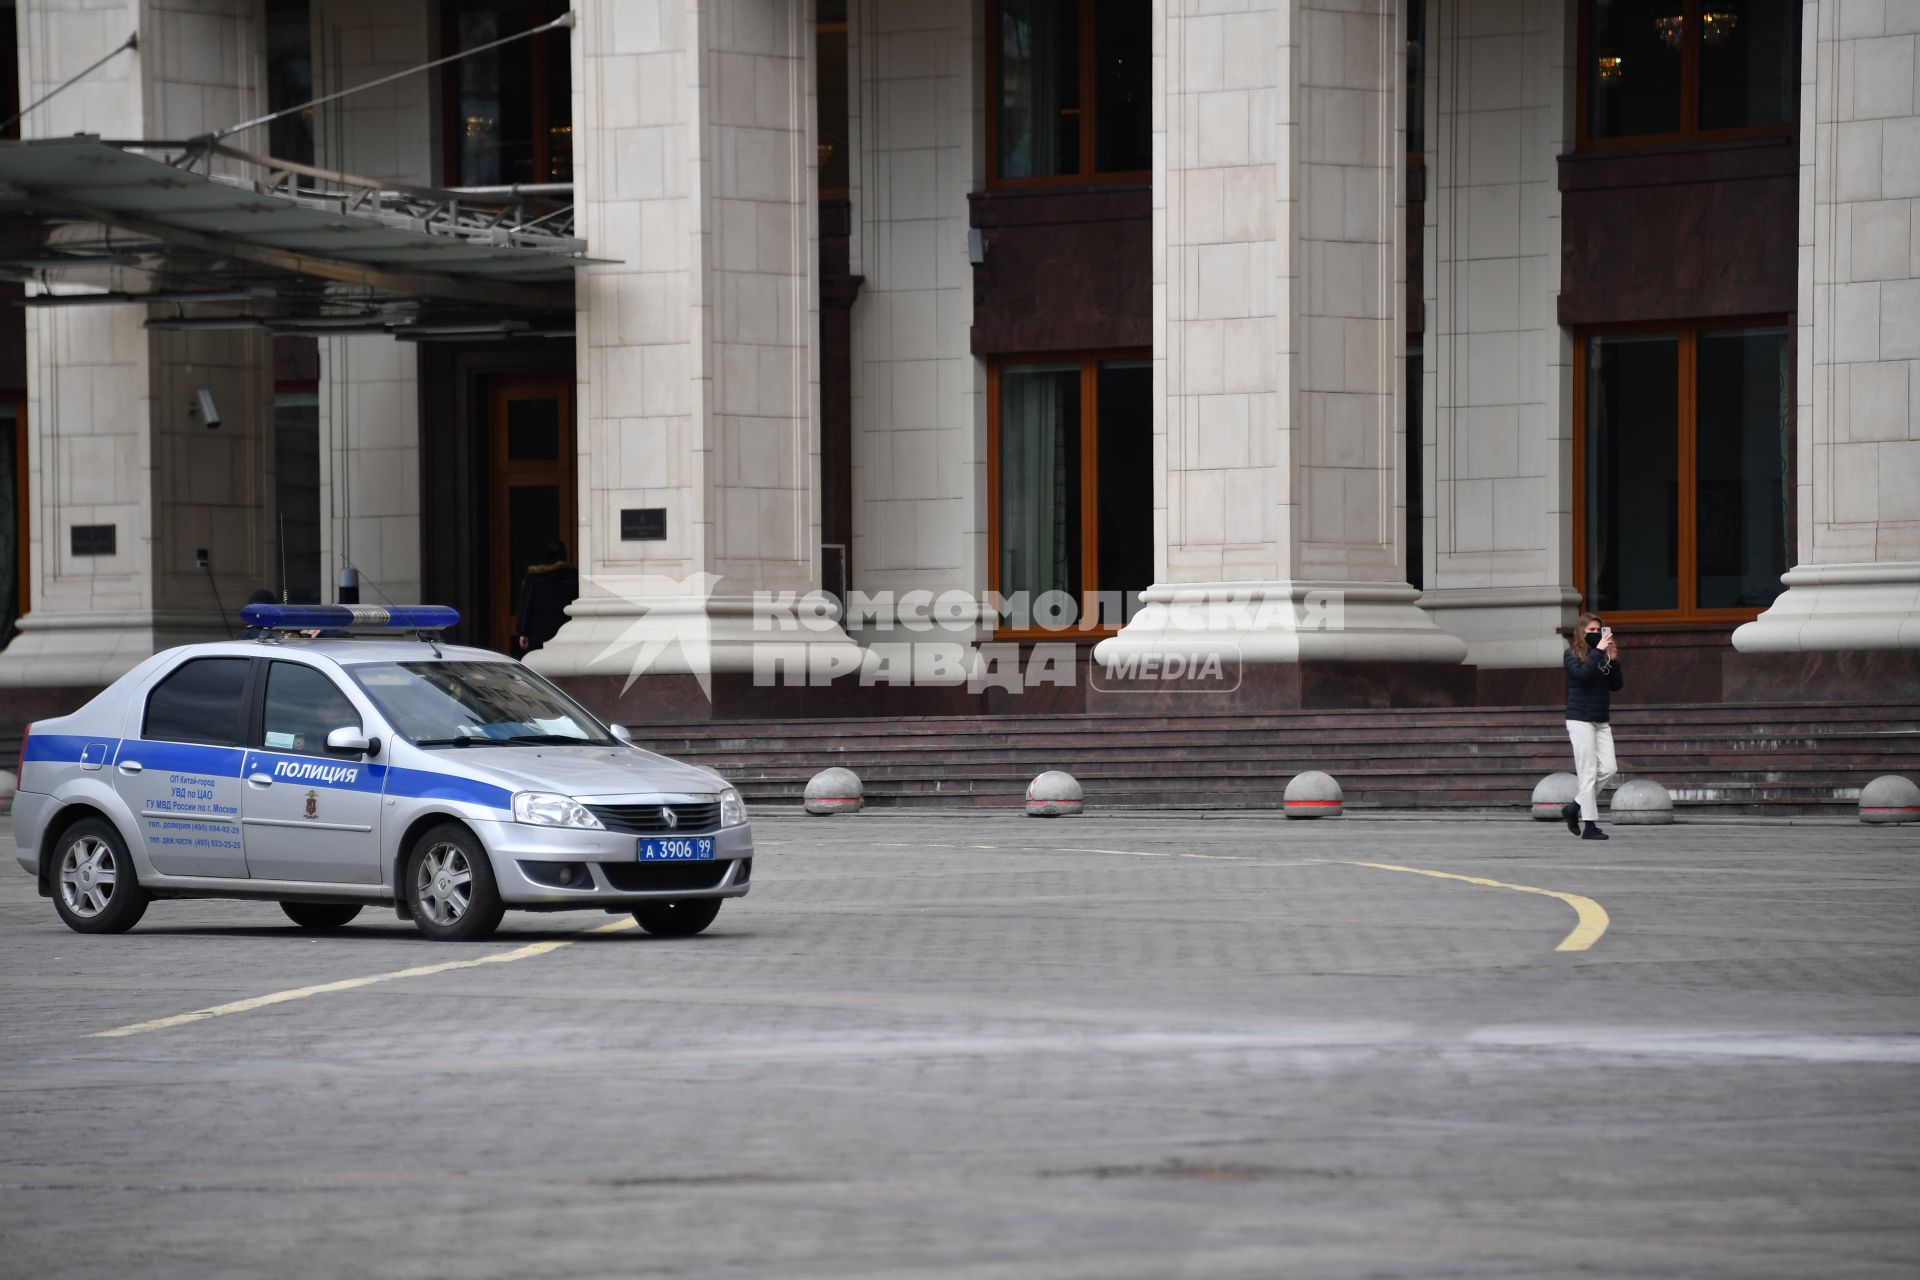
(679, 918)
(320, 917)
(450, 887)
(94, 888)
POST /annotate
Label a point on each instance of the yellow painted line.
(1593, 916)
(349, 984)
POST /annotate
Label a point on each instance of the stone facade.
(1279, 267)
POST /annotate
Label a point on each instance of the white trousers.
(1593, 761)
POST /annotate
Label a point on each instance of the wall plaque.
(91, 539)
(643, 524)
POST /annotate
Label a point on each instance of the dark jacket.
(1589, 683)
(545, 593)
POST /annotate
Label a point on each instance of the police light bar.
(349, 617)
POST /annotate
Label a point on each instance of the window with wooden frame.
(1682, 471)
(1658, 71)
(509, 111)
(1071, 90)
(1070, 491)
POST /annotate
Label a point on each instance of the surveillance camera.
(203, 404)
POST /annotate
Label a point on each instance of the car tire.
(321, 917)
(450, 886)
(678, 918)
(95, 889)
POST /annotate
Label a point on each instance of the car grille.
(646, 819)
(645, 877)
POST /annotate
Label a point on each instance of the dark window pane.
(559, 121)
(1416, 75)
(1039, 91)
(830, 11)
(199, 702)
(1633, 473)
(1125, 481)
(290, 80)
(13, 521)
(1741, 428)
(1416, 493)
(296, 482)
(303, 707)
(831, 52)
(533, 430)
(1123, 85)
(1633, 76)
(1747, 63)
(1040, 479)
(493, 95)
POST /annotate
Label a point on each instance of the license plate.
(677, 849)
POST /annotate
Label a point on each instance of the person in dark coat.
(545, 593)
(1592, 663)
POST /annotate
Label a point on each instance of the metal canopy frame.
(145, 217)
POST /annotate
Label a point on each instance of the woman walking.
(1593, 674)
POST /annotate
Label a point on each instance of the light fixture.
(1610, 68)
(1717, 24)
(1669, 27)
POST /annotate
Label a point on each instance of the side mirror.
(351, 741)
(620, 731)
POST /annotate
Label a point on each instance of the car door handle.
(129, 766)
(259, 780)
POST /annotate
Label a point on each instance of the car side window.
(303, 707)
(199, 702)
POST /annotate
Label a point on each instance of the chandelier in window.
(1610, 67)
(1717, 24)
(1669, 27)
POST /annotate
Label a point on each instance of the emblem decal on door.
(313, 804)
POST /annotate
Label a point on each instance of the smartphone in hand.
(1606, 636)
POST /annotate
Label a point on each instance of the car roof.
(345, 651)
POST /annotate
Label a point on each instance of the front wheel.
(94, 888)
(679, 918)
(450, 887)
(320, 917)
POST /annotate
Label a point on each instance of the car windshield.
(475, 704)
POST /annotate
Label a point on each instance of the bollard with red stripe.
(1314, 795)
(1890, 798)
(834, 791)
(1554, 791)
(1055, 795)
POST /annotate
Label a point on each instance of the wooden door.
(533, 478)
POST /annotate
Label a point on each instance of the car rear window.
(201, 701)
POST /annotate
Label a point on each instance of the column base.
(1839, 606)
(1267, 622)
(89, 650)
(630, 636)
(1505, 627)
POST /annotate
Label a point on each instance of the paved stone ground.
(1004, 1049)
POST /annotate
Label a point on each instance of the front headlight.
(733, 810)
(545, 809)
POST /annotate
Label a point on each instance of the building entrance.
(530, 463)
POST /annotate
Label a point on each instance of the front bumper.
(557, 867)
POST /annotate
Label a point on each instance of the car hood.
(581, 771)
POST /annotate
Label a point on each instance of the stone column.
(1499, 413)
(114, 440)
(1856, 582)
(370, 386)
(695, 174)
(1279, 287)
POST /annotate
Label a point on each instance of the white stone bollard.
(8, 785)
(834, 791)
(1890, 798)
(1641, 803)
(1314, 795)
(1553, 793)
(1055, 795)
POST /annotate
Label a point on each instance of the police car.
(344, 758)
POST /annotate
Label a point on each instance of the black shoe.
(1593, 832)
(1571, 813)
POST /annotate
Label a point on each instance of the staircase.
(1805, 758)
